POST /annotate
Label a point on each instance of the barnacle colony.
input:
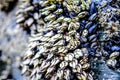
(33, 14)
(109, 35)
(53, 52)
(66, 34)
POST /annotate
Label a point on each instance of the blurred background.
(13, 41)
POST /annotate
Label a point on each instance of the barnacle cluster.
(66, 35)
(109, 34)
(56, 49)
(34, 14)
(7, 5)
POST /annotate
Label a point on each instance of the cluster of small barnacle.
(54, 51)
(109, 35)
(65, 35)
(34, 14)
